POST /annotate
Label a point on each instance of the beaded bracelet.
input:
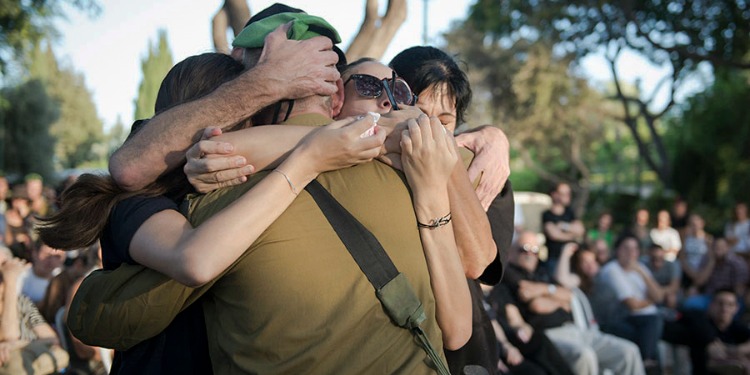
(436, 223)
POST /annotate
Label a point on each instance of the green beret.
(304, 26)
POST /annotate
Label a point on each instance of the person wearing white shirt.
(637, 291)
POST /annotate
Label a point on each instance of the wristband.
(436, 223)
(551, 288)
(288, 180)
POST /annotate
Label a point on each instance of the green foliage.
(554, 120)
(710, 143)
(677, 34)
(681, 31)
(25, 120)
(78, 127)
(154, 66)
(26, 22)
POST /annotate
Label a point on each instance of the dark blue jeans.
(644, 330)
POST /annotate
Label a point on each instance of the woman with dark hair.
(443, 91)
(442, 87)
(146, 227)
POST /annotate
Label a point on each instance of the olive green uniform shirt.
(295, 302)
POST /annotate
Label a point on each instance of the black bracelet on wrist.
(436, 223)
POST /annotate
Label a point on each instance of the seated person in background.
(666, 273)
(28, 345)
(679, 217)
(602, 250)
(666, 236)
(18, 223)
(603, 230)
(695, 245)
(40, 205)
(523, 350)
(714, 337)
(637, 293)
(578, 267)
(720, 269)
(78, 263)
(46, 263)
(560, 225)
(737, 231)
(546, 307)
(641, 228)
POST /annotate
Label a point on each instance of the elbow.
(126, 177)
(458, 336)
(194, 274)
(475, 269)
(193, 278)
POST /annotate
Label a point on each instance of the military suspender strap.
(391, 287)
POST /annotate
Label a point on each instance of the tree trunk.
(232, 14)
(373, 38)
(377, 31)
(219, 25)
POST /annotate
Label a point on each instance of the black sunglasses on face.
(372, 87)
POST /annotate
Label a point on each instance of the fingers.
(206, 147)
(358, 130)
(210, 132)
(274, 38)
(212, 173)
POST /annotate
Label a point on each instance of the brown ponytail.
(85, 207)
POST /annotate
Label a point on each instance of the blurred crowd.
(665, 296)
(38, 283)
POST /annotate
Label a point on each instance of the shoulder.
(142, 206)
(547, 215)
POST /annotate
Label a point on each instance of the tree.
(154, 66)
(710, 142)
(78, 126)
(678, 33)
(26, 119)
(24, 23)
(553, 118)
(373, 38)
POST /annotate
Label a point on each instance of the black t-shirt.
(124, 220)
(481, 349)
(500, 215)
(555, 247)
(736, 334)
(513, 276)
(182, 348)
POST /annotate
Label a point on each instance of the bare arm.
(654, 291)
(555, 231)
(492, 160)
(634, 304)
(704, 273)
(10, 323)
(160, 146)
(429, 157)
(472, 228)
(563, 274)
(167, 242)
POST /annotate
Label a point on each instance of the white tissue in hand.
(371, 131)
